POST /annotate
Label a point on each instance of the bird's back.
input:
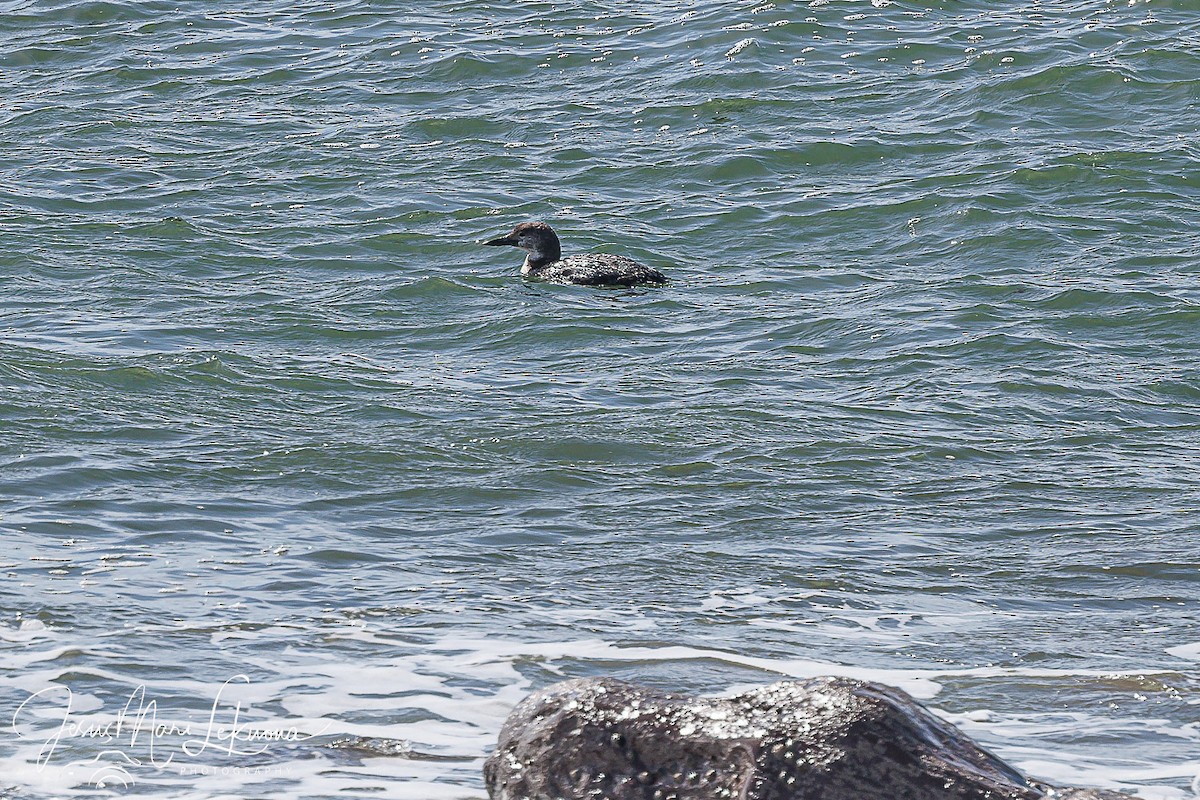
(599, 269)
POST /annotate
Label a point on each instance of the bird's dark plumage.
(545, 262)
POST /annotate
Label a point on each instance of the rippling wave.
(919, 405)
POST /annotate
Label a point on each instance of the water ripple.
(920, 396)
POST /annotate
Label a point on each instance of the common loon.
(545, 261)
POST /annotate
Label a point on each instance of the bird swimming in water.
(545, 261)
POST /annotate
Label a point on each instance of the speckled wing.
(601, 269)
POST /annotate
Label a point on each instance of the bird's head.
(536, 237)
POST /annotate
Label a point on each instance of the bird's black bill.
(509, 239)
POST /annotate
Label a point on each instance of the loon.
(545, 261)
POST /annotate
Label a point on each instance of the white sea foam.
(1190, 652)
(416, 721)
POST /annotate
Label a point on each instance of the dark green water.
(921, 404)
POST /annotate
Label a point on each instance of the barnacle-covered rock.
(821, 739)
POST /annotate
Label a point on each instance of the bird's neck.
(548, 253)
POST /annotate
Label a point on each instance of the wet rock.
(822, 739)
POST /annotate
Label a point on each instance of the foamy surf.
(415, 721)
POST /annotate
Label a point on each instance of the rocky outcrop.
(822, 739)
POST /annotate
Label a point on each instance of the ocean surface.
(302, 490)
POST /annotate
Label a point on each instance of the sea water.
(302, 490)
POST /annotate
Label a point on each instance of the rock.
(821, 739)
